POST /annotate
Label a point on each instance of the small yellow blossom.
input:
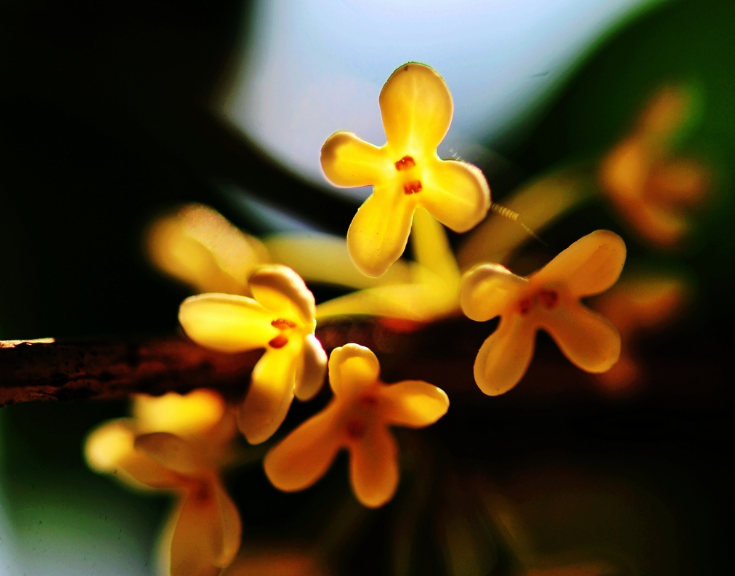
(357, 419)
(175, 443)
(547, 300)
(649, 186)
(406, 172)
(280, 319)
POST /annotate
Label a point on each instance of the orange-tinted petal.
(197, 537)
(455, 193)
(589, 341)
(374, 466)
(351, 367)
(229, 519)
(417, 109)
(414, 403)
(270, 394)
(172, 452)
(504, 357)
(305, 454)
(226, 322)
(281, 290)
(589, 266)
(350, 161)
(489, 290)
(379, 231)
(311, 369)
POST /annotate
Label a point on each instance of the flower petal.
(281, 290)
(589, 266)
(350, 161)
(417, 109)
(197, 538)
(374, 466)
(504, 357)
(172, 452)
(488, 291)
(589, 340)
(305, 454)
(431, 247)
(414, 403)
(379, 231)
(226, 322)
(229, 518)
(189, 414)
(351, 367)
(311, 369)
(270, 395)
(455, 193)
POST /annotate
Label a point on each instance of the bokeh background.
(112, 112)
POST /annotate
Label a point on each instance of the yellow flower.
(357, 419)
(547, 300)
(174, 443)
(406, 172)
(280, 319)
(652, 189)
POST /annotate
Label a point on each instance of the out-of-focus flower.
(645, 182)
(176, 443)
(547, 300)
(638, 304)
(199, 247)
(279, 319)
(431, 292)
(270, 561)
(406, 172)
(357, 419)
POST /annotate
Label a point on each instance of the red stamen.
(412, 187)
(524, 306)
(278, 342)
(356, 428)
(282, 324)
(549, 298)
(405, 163)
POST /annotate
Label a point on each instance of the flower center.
(356, 427)
(412, 187)
(549, 299)
(405, 163)
(281, 340)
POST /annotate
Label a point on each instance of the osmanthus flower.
(177, 443)
(280, 318)
(547, 300)
(406, 172)
(652, 187)
(357, 419)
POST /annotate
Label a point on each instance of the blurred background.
(622, 111)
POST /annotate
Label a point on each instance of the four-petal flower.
(406, 172)
(279, 319)
(357, 419)
(548, 300)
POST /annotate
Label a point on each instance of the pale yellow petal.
(374, 467)
(590, 341)
(589, 266)
(351, 367)
(281, 290)
(226, 322)
(379, 231)
(455, 193)
(417, 109)
(311, 369)
(186, 415)
(324, 258)
(431, 247)
(504, 357)
(270, 394)
(229, 519)
(489, 290)
(110, 449)
(197, 537)
(414, 403)
(172, 452)
(304, 455)
(350, 161)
